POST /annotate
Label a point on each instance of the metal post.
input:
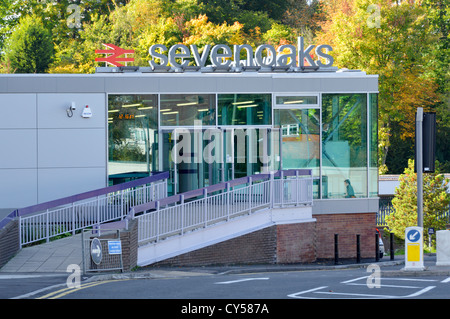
(419, 163)
(271, 189)
(21, 240)
(228, 200)
(157, 220)
(47, 227)
(73, 219)
(182, 213)
(282, 188)
(336, 249)
(358, 248)
(377, 247)
(391, 244)
(205, 210)
(98, 211)
(250, 195)
(82, 252)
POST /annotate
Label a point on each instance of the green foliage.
(30, 47)
(409, 48)
(435, 202)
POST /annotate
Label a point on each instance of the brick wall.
(129, 240)
(296, 243)
(289, 243)
(347, 226)
(258, 247)
(9, 242)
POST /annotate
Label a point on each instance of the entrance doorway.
(197, 158)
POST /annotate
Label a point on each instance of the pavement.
(53, 258)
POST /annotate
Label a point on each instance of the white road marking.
(240, 280)
(296, 295)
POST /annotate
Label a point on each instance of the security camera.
(70, 110)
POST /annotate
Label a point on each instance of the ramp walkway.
(169, 226)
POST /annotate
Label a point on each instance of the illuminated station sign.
(223, 58)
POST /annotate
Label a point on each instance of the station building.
(63, 134)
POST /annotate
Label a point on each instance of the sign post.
(419, 165)
(414, 248)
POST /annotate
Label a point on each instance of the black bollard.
(377, 247)
(358, 248)
(336, 249)
(391, 244)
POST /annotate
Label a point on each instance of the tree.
(30, 47)
(435, 202)
(392, 40)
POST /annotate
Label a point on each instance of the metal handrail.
(72, 213)
(175, 215)
(90, 194)
(219, 187)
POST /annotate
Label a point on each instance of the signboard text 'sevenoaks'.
(221, 55)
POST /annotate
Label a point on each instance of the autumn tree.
(435, 202)
(391, 39)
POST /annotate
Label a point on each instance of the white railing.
(186, 212)
(77, 212)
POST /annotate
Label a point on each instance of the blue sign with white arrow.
(413, 235)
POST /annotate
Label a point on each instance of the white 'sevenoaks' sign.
(222, 56)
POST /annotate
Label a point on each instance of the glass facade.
(344, 145)
(373, 144)
(188, 109)
(245, 109)
(295, 100)
(133, 136)
(204, 139)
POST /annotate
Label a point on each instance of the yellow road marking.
(63, 292)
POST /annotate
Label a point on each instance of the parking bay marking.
(352, 282)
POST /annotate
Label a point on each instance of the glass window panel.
(295, 100)
(300, 142)
(344, 145)
(373, 145)
(245, 109)
(132, 136)
(186, 109)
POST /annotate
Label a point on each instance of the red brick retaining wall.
(347, 226)
(289, 243)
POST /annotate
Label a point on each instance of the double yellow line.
(63, 292)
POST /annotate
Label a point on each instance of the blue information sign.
(413, 235)
(114, 247)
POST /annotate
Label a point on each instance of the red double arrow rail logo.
(112, 55)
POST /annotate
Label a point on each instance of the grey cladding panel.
(18, 148)
(54, 183)
(17, 111)
(52, 110)
(21, 188)
(85, 84)
(32, 84)
(71, 148)
(128, 84)
(186, 84)
(238, 84)
(296, 85)
(344, 85)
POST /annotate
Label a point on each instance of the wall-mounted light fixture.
(70, 110)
